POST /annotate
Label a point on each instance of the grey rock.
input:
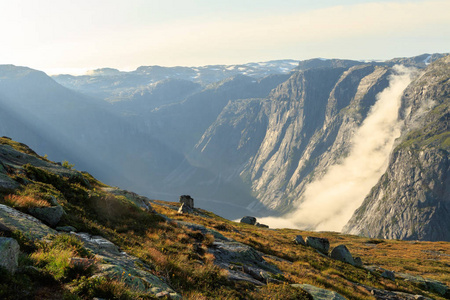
(187, 200)
(28, 225)
(248, 220)
(341, 253)
(124, 267)
(299, 240)
(320, 244)
(9, 254)
(261, 225)
(319, 293)
(185, 209)
(389, 275)
(50, 215)
(429, 284)
(358, 261)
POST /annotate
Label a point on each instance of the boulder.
(320, 244)
(9, 254)
(299, 240)
(184, 209)
(358, 262)
(341, 253)
(248, 220)
(50, 215)
(388, 274)
(261, 225)
(318, 293)
(187, 200)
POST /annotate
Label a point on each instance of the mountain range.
(262, 138)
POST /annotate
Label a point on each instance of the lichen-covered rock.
(320, 244)
(187, 200)
(318, 293)
(29, 225)
(341, 253)
(9, 254)
(50, 215)
(248, 220)
(124, 267)
(358, 261)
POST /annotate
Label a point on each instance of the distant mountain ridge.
(243, 142)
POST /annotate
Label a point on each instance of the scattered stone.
(320, 244)
(358, 262)
(429, 284)
(187, 200)
(318, 293)
(388, 274)
(66, 229)
(248, 220)
(9, 254)
(341, 253)
(299, 240)
(184, 209)
(50, 215)
(261, 225)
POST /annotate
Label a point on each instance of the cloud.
(330, 201)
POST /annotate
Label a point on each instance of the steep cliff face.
(412, 199)
(310, 121)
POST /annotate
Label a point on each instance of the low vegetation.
(60, 267)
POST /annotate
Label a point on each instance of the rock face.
(412, 199)
(9, 254)
(341, 253)
(320, 244)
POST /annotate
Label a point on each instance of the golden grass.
(25, 201)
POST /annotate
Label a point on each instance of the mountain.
(304, 141)
(66, 235)
(412, 198)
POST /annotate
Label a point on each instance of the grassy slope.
(190, 270)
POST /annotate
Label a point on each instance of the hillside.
(88, 240)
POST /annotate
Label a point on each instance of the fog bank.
(329, 202)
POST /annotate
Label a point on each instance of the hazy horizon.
(77, 36)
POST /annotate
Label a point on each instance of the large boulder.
(248, 220)
(9, 254)
(187, 200)
(341, 253)
(320, 244)
(49, 215)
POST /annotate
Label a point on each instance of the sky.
(66, 36)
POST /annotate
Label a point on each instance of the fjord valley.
(314, 148)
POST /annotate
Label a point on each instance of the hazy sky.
(76, 35)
